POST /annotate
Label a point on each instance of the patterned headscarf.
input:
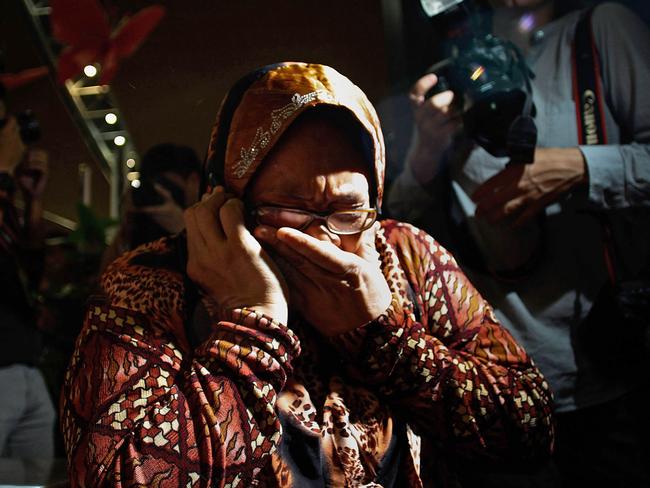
(260, 107)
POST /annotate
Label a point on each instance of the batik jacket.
(402, 401)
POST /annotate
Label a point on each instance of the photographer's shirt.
(543, 308)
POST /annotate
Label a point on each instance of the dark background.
(170, 89)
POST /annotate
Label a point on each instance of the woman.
(299, 342)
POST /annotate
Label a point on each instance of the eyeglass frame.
(320, 216)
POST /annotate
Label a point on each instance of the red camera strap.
(590, 108)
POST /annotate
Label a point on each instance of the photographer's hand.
(228, 263)
(11, 146)
(521, 191)
(167, 215)
(436, 124)
(334, 290)
(33, 173)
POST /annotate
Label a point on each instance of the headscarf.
(259, 108)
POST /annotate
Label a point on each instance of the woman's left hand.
(334, 290)
(521, 191)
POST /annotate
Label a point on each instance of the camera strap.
(590, 109)
(587, 84)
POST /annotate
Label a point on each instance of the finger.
(531, 211)
(324, 254)
(207, 216)
(150, 210)
(163, 192)
(508, 208)
(506, 177)
(195, 240)
(442, 101)
(268, 235)
(421, 87)
(232, 219)
(501, 202)
(368, 249)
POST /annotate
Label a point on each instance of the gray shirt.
(542, 309)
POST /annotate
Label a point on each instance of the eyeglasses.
(341, 222)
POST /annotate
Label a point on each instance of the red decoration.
(15, 80)
(84, 27)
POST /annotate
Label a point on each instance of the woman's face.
(314, 167)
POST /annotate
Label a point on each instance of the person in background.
(287, 338)
(543, 274)
(169, 183)
(27, 415)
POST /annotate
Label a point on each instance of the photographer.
(26, 412)
(170, 179)
(532, 241)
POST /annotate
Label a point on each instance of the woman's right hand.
(228, 263)
(436, 124)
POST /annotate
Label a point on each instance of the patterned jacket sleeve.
(140, 409)
(457, 373)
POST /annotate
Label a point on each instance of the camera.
(489, 77)
(30, 129)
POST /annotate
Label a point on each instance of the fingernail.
(263, 232)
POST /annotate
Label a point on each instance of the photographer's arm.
(435, 127)
(619, 175)
(32, 176)
(613, 176)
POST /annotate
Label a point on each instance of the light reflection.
(527, 22)
(90, 71)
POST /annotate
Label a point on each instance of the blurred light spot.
(135, 183)
(132, 175)
(130, 163)
(110, 118)
(90, 71)
(119, 140)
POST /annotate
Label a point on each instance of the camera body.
(489, 77)
(30, 129)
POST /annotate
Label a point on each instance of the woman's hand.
(436, 124)
(227, 262)
(521, 191)
(334, 290)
